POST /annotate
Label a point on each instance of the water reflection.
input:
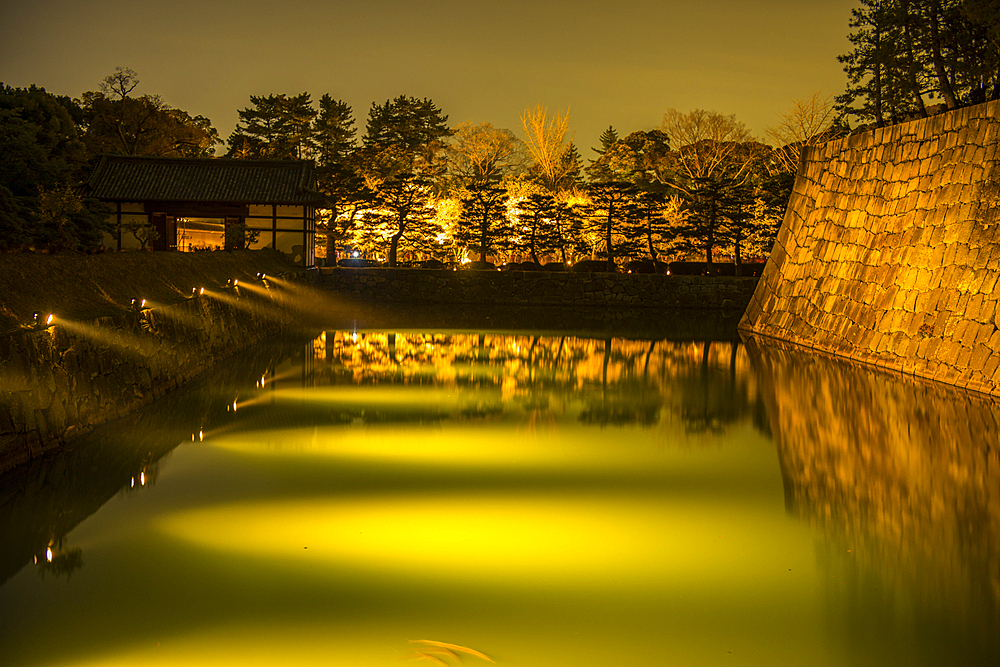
(430, 376)
(544, 497)
(901, 480)
(45, 499)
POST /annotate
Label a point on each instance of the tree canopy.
(907, 50)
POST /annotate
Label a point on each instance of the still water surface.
(537, 499)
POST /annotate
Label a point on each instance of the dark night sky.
(620, 63)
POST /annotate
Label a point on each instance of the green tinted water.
(543, 500)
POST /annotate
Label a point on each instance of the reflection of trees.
(712, 398)
(613, 381)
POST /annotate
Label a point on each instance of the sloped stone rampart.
(889, 252)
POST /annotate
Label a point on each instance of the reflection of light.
(201, 436)
(354, 254)
(142, 479)
(234, 406)
(48, 554)
(354, 336)
(539, 540)
(132, 483)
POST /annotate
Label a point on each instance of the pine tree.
(483, 223)
(610, 208)
(647, 225)
(906, 50)
(404, 135)
(275, 127)
(534, 217)
(718, 211)
(404, 209)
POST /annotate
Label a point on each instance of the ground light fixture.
(197, 291)
(232, 283)
(261, 275)
(138, 304)
(42, 320)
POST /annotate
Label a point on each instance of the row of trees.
(416, 186)
(908, 52)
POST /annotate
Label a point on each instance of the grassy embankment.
(84, 287)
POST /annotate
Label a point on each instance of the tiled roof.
(128, 178)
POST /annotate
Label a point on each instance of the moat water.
(373, 496)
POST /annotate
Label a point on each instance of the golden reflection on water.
(529, 541)
(544, 501)
(901, 478)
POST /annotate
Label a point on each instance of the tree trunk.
(947, 90)
(482, 233)
(739, 256)
(394, 243)
(912, 62)
(710, 234)
(877, 76)
(534, 228)
(607, 238)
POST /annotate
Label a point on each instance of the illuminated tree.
(42, 156)
(334, 132)
(534, 215)
(719, 210)
(646, 226)
(808, 123)
(555, 163)
(610, 204)
(337, 173)
(483, 222)
(906, 50)
(404, 207)
(642, 158)
(480, 155)
(567, 230)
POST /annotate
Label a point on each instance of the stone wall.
(538, 288)
(61, 381)
(889, 252)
